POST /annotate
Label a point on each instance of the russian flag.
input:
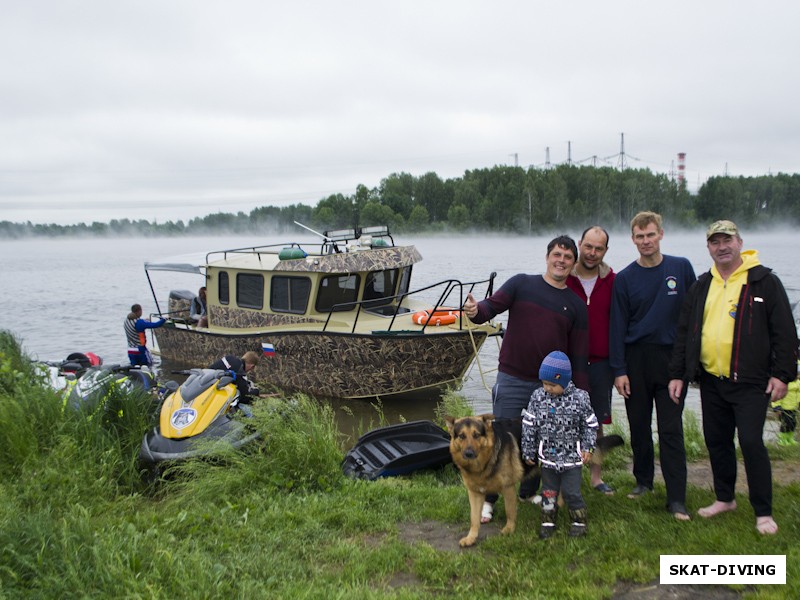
(267, 349)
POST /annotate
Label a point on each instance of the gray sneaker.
(535, 499)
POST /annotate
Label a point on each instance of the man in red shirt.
(592, 280)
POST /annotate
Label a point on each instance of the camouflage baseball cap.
(724, 227)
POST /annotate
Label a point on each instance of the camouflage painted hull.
(338, 365)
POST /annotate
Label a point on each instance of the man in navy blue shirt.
(646, 304)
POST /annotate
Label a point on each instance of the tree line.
(497, 199)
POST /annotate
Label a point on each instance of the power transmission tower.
(621, 162)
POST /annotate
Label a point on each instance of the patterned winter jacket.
(556, 429)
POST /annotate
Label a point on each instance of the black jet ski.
(397, 450)
(92, 389)
(85, 383)
(61, 375)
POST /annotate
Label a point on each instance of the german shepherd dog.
(487, 452)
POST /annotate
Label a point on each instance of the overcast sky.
(177, 109)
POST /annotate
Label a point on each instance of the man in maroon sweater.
(592, 280)
(543, 315)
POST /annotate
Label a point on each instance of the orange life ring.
(436, 317)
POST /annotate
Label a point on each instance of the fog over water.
(72, 295)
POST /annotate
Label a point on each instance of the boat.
(334, 318)
(398, 450)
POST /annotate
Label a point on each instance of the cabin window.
(337, 289)
(289, 294)
(250, 290)
(223, 289)
(379, 286)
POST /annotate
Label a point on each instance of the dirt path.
(783, 473)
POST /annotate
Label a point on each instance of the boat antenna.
(322, 235)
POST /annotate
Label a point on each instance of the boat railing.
(176, 316)
(257, 250)
(330, 244)
(452, 289)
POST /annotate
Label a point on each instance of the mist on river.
(72, 294)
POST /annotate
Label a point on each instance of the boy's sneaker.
(577, 529)
(786, 438)
(546, 530)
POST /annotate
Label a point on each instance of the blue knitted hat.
(556, 368)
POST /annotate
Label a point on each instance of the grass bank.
(77, 520)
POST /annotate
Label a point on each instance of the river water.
(71, 295)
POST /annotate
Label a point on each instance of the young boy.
(787, 409)
(559, 429)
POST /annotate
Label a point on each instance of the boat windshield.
(379, 288)
(337, 289)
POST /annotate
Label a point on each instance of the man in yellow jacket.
(737, 336)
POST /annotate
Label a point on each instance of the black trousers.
(647, 366)
(728, 407)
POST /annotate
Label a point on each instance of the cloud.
(177, 107)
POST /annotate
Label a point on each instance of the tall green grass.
(30, 414)
(298, 451)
